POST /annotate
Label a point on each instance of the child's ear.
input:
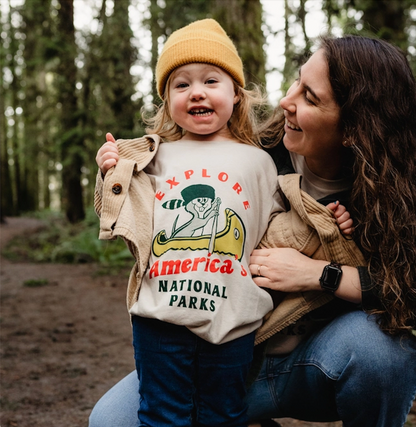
(237, 93)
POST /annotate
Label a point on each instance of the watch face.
(333, 275)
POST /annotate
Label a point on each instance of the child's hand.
(342, 216)
(107, 155)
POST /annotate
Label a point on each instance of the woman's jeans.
(349, 371)
(186, 381)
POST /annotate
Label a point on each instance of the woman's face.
(313, 119)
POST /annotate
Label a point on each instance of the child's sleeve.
(98, 193)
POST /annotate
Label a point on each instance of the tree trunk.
(6, 179)
(71, 143)
(242, 20)
(14, 157)
(34, 13)
(155, 30)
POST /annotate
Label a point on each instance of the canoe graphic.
(229, 241)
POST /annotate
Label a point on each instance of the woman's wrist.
(349, 288)
(313, 274)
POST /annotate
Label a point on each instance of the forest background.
(65, 332)
(62, 88)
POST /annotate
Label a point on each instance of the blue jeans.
(347, 371)
(186, 381)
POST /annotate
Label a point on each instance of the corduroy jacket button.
(152, 146)
(117, 188)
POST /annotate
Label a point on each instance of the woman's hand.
(288, 270)
(285, 270)
(107, 155)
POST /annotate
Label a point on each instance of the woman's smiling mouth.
(292, 126)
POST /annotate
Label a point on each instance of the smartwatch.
(331, 276)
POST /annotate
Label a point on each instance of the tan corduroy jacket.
(124, 202)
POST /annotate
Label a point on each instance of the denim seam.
(270, 383)
(320, 367)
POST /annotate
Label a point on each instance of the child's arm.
(342, 216)
(107, 155)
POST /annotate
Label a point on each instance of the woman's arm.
(287, 270)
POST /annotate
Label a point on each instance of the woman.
(349, 117)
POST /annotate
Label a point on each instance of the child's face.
(201, 101)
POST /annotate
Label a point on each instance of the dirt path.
(65, 343)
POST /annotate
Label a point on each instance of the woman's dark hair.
(376, 91)
(374, 86)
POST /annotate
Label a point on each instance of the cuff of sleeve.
(369, 293)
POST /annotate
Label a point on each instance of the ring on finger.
(258, 270)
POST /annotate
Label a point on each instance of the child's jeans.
(187, 381)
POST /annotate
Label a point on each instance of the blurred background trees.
(63, 84)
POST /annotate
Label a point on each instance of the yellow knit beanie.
(202, 41)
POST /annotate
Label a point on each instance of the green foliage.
(61, 91)
(35, 283)
(61, 242)
(390, 20)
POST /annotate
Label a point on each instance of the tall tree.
(118, 56)
(6, 207)
(35, 14)
(390, 20)
(12, 134)
(386, 19)
(295, 54)
(301, 15)
(156, 31)
(27, 39)
(289, 67)
(242, 20)
(108, 86)
(71, 144)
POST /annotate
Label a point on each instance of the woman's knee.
(377, 352)
(118, 407)
(367, 355)
(354, 344)
(97, 417)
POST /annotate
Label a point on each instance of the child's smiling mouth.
(201, 112)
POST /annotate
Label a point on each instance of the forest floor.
(65, 339)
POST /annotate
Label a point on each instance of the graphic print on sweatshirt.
(198, 227)
(200, 232)
(209, 214)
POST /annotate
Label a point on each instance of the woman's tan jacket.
(124, 202)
